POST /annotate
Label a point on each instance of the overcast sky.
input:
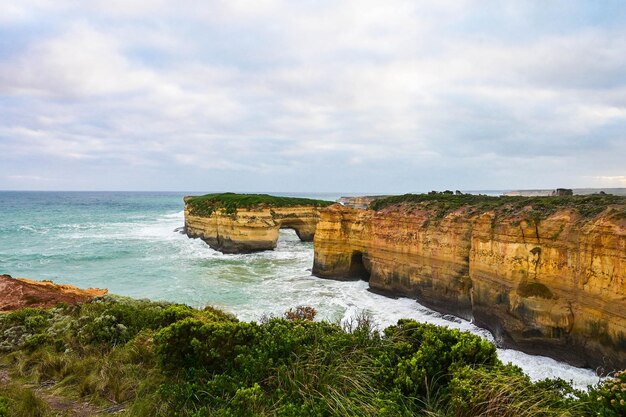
(269, 95)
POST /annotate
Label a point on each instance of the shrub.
(31, 318)
(104, 329)
(307, 313)
(506, 391)
(173, 360)
(37, 340)
(426, 354)
(609, 398)
(214, 314)
(191, 343)
(174, 313)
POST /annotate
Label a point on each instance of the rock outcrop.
(17, 293)
(548, 280)
(361, 202)
(243, 227)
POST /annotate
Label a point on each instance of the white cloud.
(27, 177)
(81, 63)
(235, 85)
(612, 180)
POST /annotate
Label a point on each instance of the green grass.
(228, 203)
(160, 359)
(532, 208)
(20, 401)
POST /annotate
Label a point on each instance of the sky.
(312, 96)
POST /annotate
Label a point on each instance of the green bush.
(213, 346)
(37, 340)
(176, 312)
(35, 322)
(609, 398)
(29, 317)
(427, 354)
(507, 391)
(104, 329)
(114, 320)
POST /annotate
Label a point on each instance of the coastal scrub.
(229, 203)
(143, 358)
(529, 208)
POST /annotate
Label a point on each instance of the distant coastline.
(577, 191)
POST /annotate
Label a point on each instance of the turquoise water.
(127, 242)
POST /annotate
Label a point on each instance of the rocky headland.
(361, 202)
(546, 275)
(16, 293)
(243, 223)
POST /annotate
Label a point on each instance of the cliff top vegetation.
(142, 358)
(539, 207)
(230, 202)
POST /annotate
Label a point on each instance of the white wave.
(195, 249)
(177, 215)
(541, 367)
(78, 226)
(337, 300)
(33, 229)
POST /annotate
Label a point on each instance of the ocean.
(127, 242)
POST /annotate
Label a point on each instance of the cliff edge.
(17, 293)
(243, 223)
(546, 275)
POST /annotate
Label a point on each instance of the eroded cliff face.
(250, 229)
(555, 286)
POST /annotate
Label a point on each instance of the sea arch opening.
(303, 230)
(288, 235)
(359, 266)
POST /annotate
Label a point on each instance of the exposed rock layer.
(555, 286)
(251, 229)
(361, 202)
(16, 293)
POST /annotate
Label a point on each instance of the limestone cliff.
(243, 223)
(360, 201)
(16, 293)
(546, 275)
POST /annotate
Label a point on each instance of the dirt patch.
(69, 407)
(64, 406)
(20, 292)
(4, 376)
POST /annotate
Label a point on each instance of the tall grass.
(21, 401)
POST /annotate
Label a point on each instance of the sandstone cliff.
(546, 276)
(242, 223)
(16, 293)
(360, 201)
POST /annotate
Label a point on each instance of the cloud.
(399, 96)
(79, 63)
(27, 177)
(612, 181)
